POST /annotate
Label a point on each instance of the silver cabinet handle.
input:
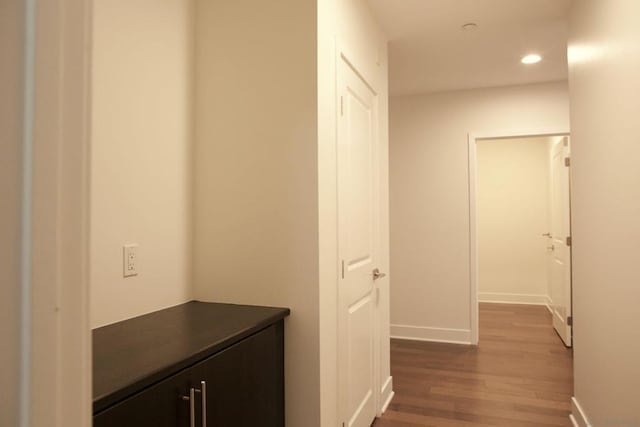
(377, 275)
(192, 406)
(547, 235)
(204, 403)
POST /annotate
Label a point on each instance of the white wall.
(429, 187)
(604, 65)
(513, 207)
(141, 144)
(262, 165)
(348, 26)
(256, 173)
(11, 48)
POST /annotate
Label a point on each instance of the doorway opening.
(520, 229)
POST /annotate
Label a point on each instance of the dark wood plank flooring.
(521, 374)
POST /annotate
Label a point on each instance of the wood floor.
(520, 375)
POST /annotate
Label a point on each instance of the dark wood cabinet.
(239, 377)
(158, 406)
(244, 383)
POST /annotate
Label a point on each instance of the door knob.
(377, 275)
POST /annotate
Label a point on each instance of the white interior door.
(358, 238)
(560, 258)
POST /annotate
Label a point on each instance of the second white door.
(358, 241)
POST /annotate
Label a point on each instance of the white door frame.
(473, 138)
(55, 377)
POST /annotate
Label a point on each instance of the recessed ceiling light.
(533, 58)
(470, 26)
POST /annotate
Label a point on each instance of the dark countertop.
(133, 354)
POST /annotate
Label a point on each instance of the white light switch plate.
(130, 260)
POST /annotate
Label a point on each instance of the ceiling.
(429, 51)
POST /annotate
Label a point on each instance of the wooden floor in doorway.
(520, 374)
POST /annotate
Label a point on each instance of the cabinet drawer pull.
(192, 406)
(204, 403)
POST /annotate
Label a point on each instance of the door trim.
(473, 138)
(57, 364)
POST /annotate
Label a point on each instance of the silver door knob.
(377, 275)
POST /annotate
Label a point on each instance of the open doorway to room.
(521, 239)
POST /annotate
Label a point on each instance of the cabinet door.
(161, 405)
(245, 385)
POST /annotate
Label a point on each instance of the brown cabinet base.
(244, 387)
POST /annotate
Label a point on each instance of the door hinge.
(570, 321)
(567, 161)
(569, 241)
(342, 105)
(343, 269)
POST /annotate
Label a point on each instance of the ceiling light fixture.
(533, 58)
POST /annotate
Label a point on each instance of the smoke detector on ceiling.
(470, 26)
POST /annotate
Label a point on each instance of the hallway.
(520, 375)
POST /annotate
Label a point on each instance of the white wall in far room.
(429, 188)
(513, 207)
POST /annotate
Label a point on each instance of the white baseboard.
(424, 333)
(503, 298)
(549, 303)
(578, 417)
(574, 423)
(386, 394)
